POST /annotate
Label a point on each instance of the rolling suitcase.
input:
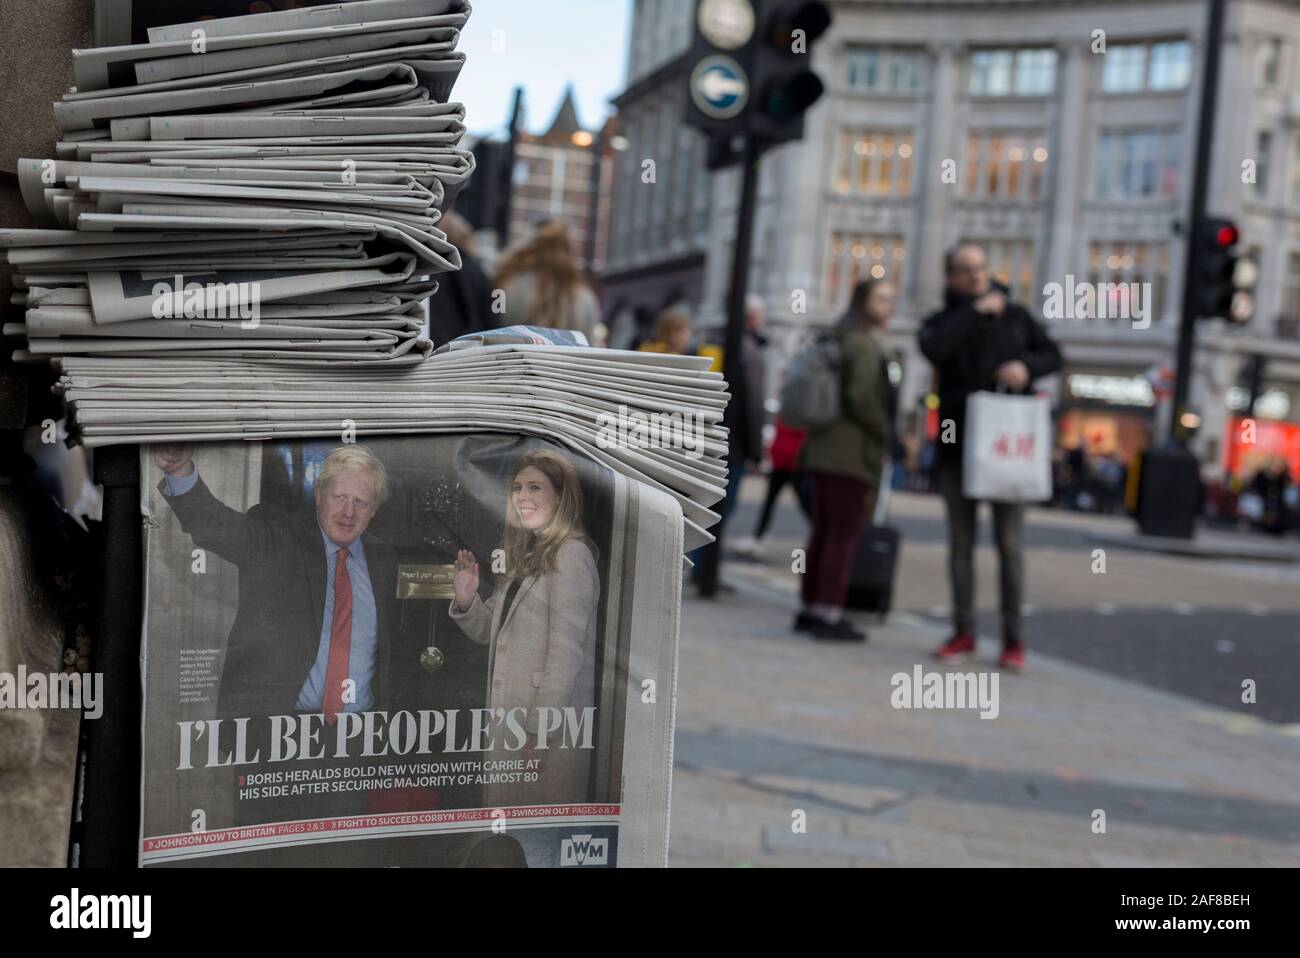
(871, 583)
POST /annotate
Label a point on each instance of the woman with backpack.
(844, 459)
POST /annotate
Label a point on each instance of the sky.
(541, 45)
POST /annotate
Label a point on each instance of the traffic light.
(785, 85)
(749, 74)
(1223, 278)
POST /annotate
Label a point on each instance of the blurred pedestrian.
(1272, 485)
(463, 302)
(844, 462)
(783, 461)
(981, 340)
(543, 285)
(1076, 467)
(744, 422)
(669, 333)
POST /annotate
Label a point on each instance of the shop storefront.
(1251, 443)
(1106, 412)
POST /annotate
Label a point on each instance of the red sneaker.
(960, 646)
(1012, 659)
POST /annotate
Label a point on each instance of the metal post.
(1200, 180)
(735, 334)
(110, 783)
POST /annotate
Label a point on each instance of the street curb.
(1194, 549)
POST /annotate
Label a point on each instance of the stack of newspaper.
(263, 186)
(653, 417)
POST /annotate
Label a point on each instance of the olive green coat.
(855, 444)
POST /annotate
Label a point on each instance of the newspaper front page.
(436, 650)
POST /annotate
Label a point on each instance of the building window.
(1012, 264)
(1035, 72)
(1029, 72)
(1288, 322)
(874, 162)
(703, 193)
(990, 72)
(683, 178)
(1293, 197)
(1263, 147)
(1137, 163)
(1171, 65)
(1270, 63)
(885, 69)
(1121, 262)
(1004, 165)
(1123, 68)
(856, 256)
(1133, 67)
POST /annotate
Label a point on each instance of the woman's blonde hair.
(531, 553)
(548, 255)
(668, 324)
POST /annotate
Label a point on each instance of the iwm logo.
(584, 850)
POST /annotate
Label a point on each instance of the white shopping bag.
(1008, 448)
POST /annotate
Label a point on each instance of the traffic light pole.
(1169, 491)
(1200, 181)
(732, 345)
(733, 341)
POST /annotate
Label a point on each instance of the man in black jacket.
(317, 593)
(981, 340)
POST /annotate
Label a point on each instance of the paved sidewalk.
(770, 723)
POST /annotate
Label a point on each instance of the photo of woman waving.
(540, 622)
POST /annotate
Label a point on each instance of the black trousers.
(777, 480)
(1008, 525)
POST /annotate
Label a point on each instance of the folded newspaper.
(253, 186)
(655, 418)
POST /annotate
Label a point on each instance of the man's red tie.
(336, 672)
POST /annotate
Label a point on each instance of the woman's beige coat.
(542, 654)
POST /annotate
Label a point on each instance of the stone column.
(942, 141)
(1070, 183)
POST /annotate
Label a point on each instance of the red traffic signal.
(1215, 290)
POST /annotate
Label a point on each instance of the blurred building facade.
(663, 196)
(1059, 135)
(564, 173)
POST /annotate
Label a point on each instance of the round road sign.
(719, 87)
